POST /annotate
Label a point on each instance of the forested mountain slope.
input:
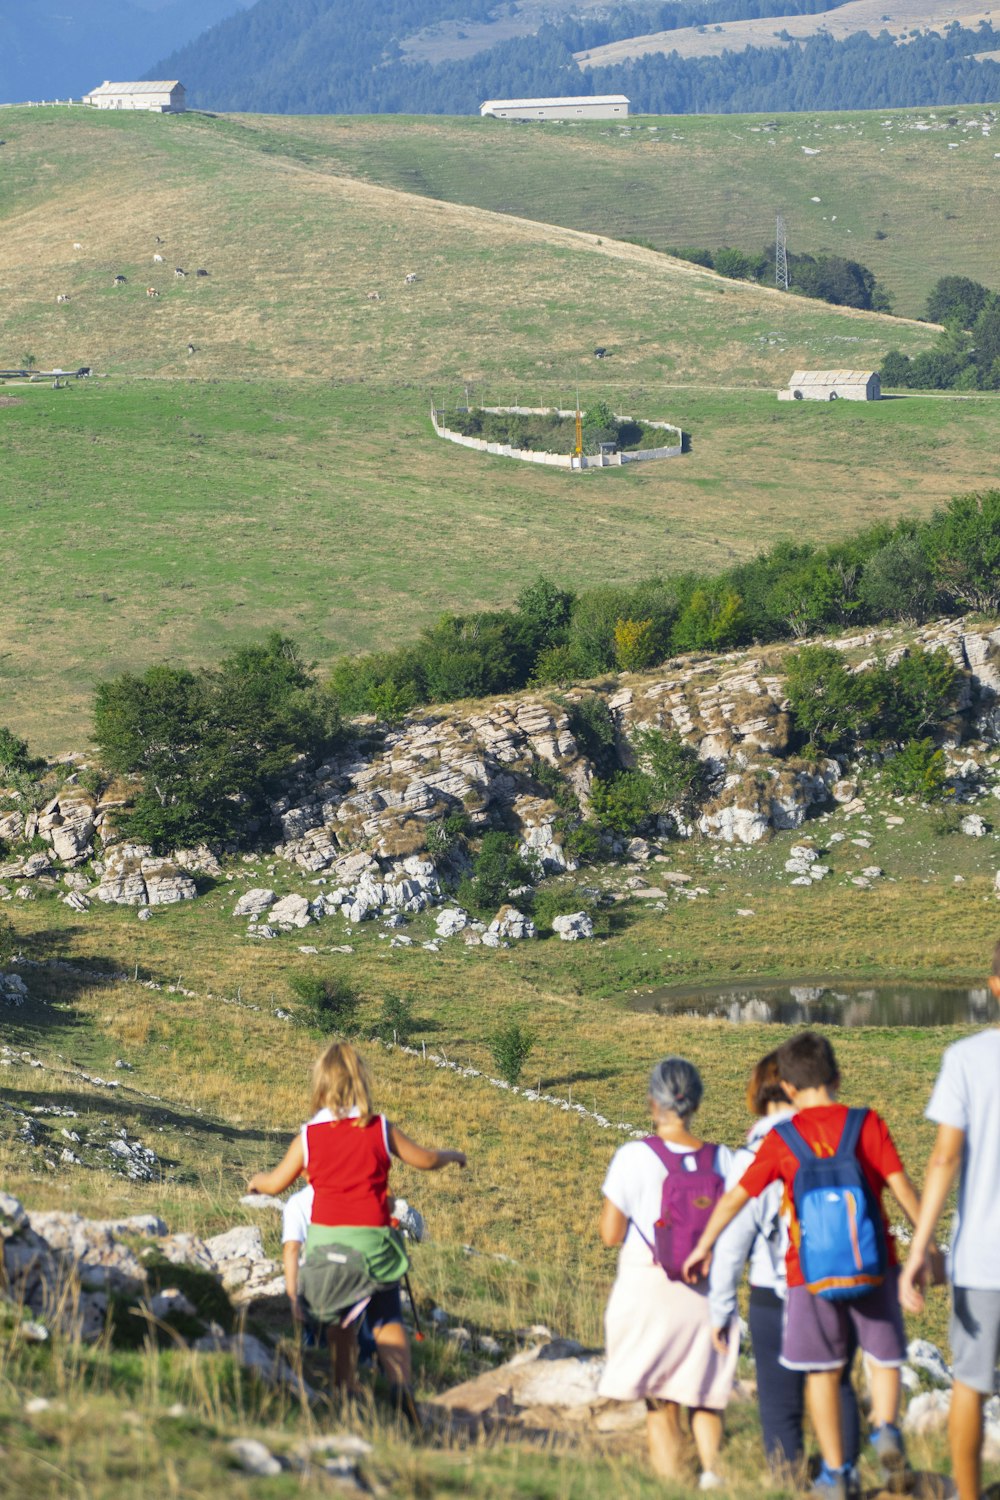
(446, 56)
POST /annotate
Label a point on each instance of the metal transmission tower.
(781, 256)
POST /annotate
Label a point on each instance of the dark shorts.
(817, 1332)
(384, 1307)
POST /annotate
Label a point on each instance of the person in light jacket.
(759, 1235)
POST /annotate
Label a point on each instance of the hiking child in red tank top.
(346, 1152)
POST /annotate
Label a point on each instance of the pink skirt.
(659, 1339)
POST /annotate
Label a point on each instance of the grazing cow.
(62, 297)
(77, 245)
(151, 291)
(191, 349)
(374, 296)
(410, 279)
(119, 281)
(179, 271)
(156, 237)
(600, 352)
(201, 271)
(157, 259)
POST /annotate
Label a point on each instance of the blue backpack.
(842, 1248)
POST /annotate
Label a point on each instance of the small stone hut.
(166, 97)
(833, 385)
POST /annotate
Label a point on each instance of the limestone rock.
(451, 921)
(572, 926)
(254, 1458)
(13, 990)
(166, 884)
(973, 825)
(253, 902)
(290, 911)
(511, 924)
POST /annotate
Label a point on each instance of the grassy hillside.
(906, 202)
(285, 474)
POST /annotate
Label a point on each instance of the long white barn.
(587, 107)
(833, 385)
(164, 98)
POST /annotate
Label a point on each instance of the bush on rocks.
(498, 872)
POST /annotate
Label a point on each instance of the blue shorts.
(384, 1307)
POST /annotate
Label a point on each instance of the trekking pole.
(418, 1332)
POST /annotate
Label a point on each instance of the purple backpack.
(691, 1189)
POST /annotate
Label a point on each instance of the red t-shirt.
(822, 1126)
(348, 1167)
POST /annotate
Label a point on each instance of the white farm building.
(833, 385)
(589, 107)
(165, 98)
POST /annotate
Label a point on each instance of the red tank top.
(348, 1167)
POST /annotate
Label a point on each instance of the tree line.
(830, 278)
(966, 356)
(312, 56)
(210, 748)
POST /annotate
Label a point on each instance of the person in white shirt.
(658, 1332)
(965, 1106)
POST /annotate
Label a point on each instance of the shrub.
(898, 583)
(447, 834)
(593, 728)
(498, 870)
(922, 691)
(558, 902)
(917, 771)
(623, 803)
(15, 758)
(635, 644)
(832, 707)
(582, 842)
(330, 1003)
(676, 775)
(554, 783)
(510, 1046)
(395, 1021)
(8, 940)
(390, 702)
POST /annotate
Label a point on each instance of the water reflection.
(829, 1003)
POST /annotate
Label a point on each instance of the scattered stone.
(510, 924)
(451, 921)
(254, 1458)
(973, 825)
(13, 990)
(252, 903)
(290, 911)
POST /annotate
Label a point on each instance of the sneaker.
(853, 1482)
(830, 1484)
(711, 1481)
(887, 1441)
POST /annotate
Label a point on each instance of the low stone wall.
(558, 460)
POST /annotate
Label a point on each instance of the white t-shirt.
(634, 1184)
(967, 1096)
(296, 1216)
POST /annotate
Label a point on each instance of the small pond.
(827, 1002)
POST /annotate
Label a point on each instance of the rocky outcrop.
(132, 875)
(368, 829)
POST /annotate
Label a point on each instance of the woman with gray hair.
(658, 1328)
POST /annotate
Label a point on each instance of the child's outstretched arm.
(283, 1175)
(419, 1156)
(942, 1169)
(699, 1262)
(905, 1194)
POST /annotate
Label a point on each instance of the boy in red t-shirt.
(816, 1331)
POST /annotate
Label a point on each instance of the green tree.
(898, 583)
(8, 940)
(922, 691)
(963, 545)
(209, 746)
(624, 802)
(956, 298)
(675, 773)
(831, 706)
(390, 702)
